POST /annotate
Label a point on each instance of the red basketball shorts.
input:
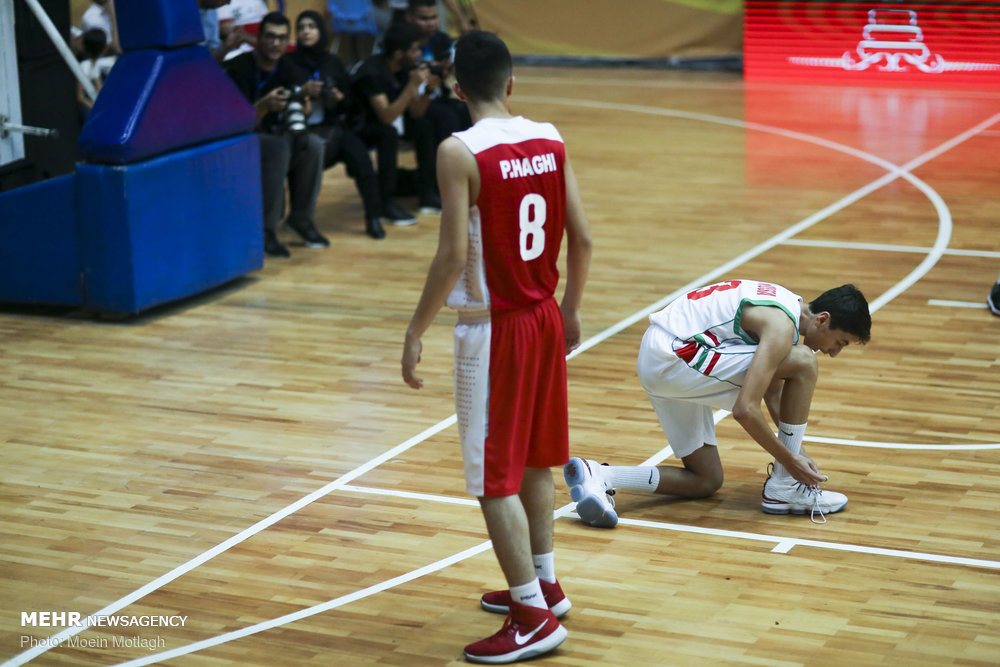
(510, 396)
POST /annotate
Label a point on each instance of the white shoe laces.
(814, 492)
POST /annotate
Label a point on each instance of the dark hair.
(415, 4)
(275, 18)
(848, 310)
(482, 65)
(94, 42)
(323, 44)
(399, 37)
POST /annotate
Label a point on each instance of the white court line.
(897, 445)
(785, 544)
(957, 304)
(894, 172)
(889, 248)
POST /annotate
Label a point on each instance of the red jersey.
(516, 225)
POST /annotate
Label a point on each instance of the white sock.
(529, 594)
(545, 566)
(790, 436)
(639, 478)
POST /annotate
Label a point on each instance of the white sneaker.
(591, 492)
(784, 495)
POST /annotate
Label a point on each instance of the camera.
(438, 71)
(294, 114)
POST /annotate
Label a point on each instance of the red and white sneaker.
(527, 632)
(498, 602)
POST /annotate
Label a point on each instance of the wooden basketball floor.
(250, 460)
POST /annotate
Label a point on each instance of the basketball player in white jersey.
(732, 346)
(508, 196)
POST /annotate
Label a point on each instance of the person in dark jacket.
(327, 83)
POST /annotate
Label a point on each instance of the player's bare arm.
(578, 248)
(774, 332)
(458, 179)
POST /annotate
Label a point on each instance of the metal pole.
(63, 48)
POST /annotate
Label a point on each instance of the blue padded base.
(170, 227)
(39, 255)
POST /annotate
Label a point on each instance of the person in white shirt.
(101, 14)
(733, 346)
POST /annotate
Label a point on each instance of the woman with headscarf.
(328, 84)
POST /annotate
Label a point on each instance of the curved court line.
(894, 172)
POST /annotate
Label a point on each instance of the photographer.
(447, 113)
(333, 111)
(272, 85)
(395, 93)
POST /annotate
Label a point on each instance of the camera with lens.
(438, 71)
(294, 115)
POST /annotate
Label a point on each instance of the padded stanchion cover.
(154, 102)
(152, 232)
(40, 255)
(158, 24)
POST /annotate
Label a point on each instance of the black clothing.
(255, 83)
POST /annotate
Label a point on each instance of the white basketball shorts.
(684, 393)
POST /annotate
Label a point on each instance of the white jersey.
(709, 317)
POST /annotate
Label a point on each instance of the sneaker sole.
(589, 507)
(785, 508)
(560, 609)
(593, 511)
(406, 222)
(316, 245)
(993, 309)
(544, 645)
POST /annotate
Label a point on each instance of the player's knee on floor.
(706, 484)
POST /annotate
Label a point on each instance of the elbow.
(741, 413)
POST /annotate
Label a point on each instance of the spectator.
(101, 14)
(219, 40)
(395, 93)
(328, 84)
(239, 23)
(446, 113)
(95, 66)
(398, 9)
(265, 79)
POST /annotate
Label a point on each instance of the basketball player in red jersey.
(508, 195)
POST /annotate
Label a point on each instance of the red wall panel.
(874, 43)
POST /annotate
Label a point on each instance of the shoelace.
(815, 492)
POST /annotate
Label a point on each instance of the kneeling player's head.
(482, 66)
(848, 310)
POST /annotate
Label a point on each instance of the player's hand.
(805, 471)
(412, 348)
(571, 322)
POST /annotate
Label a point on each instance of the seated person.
(94, 65)
(395, 93)
(329, 86)
(265, 79)
(447, 113)
(101, 15)
(239, 23)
